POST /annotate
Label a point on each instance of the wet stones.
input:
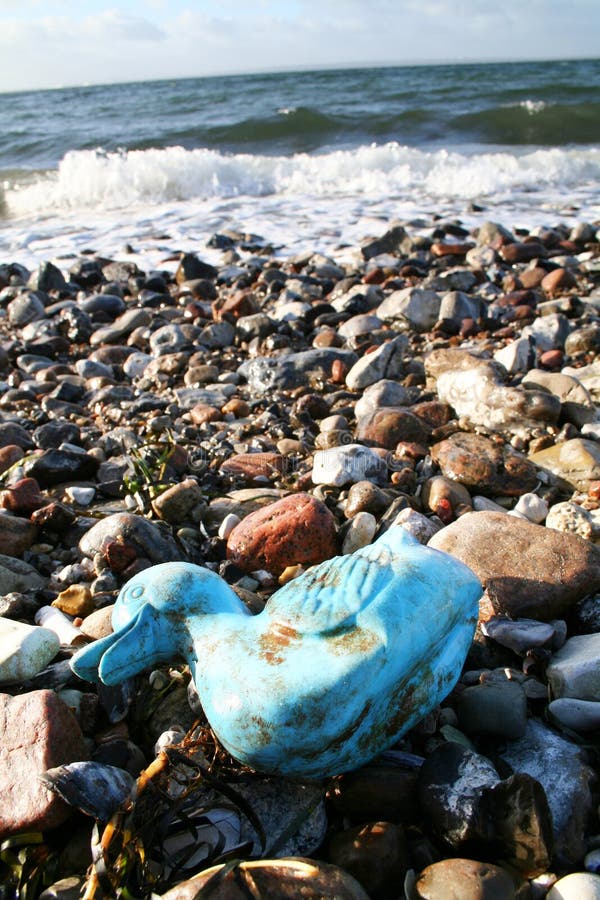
(483, 465)
(38, 732)
(526, 569)
(297, 529)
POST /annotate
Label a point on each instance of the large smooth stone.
(152, 542)
(387, 426)
(574, 670)
(37, 732)
(298, 529)
(24, 650)
(286, 879)
(464, 879)
(482, 465)
(559, 766)
(577, 715)
(576, 461)
(577, 405)
(526, 569)
(576, 886)
(17, 575)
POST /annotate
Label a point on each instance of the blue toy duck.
(341, 662)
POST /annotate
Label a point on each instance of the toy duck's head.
(153, 621)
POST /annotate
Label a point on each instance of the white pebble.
(227, 525)
(83, 496)
(577, 886)
(360, 532)
(532, 507)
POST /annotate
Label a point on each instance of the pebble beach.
(257, 415)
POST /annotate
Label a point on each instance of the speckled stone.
(387, 426)
(38, 732)
(484, 466)
(296, 529)
(527, 570)
(464, 879)
(347, 465)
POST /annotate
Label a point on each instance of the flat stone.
(265, 374)
(347, 465)
(252, 467)
(577, 715)
(576, 461)
(519, 635)
(298, 529)
(527, 570)
(559, 767)
(38, 732)
(484, 466)
(574, 671)
(121, 327)
(464, 879)
(24, 650)
(385, 362)
(387, 426)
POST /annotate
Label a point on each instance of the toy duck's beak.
(130, 650)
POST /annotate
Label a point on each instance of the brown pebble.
(76, 600)
(552, 359)
(202, 413)
(238, 407)
(464, 879)
(558, 280)
(252, 467)
(296, 529)
(375, 854)
(23, 497)
(339, 370)
(9, 455)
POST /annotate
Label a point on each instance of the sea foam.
(93, 179)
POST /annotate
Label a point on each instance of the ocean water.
(308, 160)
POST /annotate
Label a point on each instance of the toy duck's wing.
(329, 596)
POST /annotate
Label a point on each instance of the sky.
(56, 43)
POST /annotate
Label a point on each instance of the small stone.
(558, 280)
(76, 600)
(576, 461)
(98, 624)
(147, 537)
(464, 879)
(419, 307)
(532, 507)
(22, 497)
(385, 362)
(16, 535)
(576, 886)
(176, 503)
(39, 732)
(9, 455)
(24, 650)
(361, 532)
(559, 767)
(439, 489)
(252, 467)
(573, 670)
(348, 465)
(296, 529)
(481, 465)
(571, 518)
(383, 393)
(421, 528)
(387, 426)
(81, 496)
(227, 525)
(519, 635)
(202, 413)
(375, 854)
(499, 710)
(57, 466)
(364, 496)
(577, 715)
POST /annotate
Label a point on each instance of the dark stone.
(57, 466)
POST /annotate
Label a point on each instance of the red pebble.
(339, 370)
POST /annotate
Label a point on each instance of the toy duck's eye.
(135, 593)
